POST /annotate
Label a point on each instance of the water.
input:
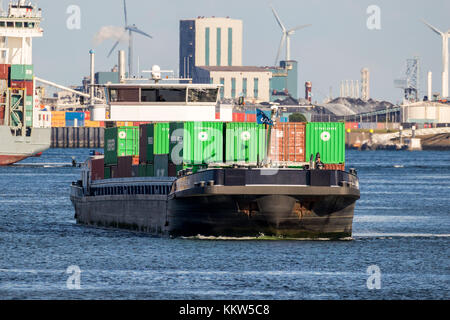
(402, 225)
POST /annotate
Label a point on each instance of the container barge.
(183, 178)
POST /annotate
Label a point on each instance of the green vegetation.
(297, 117)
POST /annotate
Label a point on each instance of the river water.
(400, 248)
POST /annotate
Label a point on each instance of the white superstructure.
(18, 26)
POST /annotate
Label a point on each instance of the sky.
(336, 47)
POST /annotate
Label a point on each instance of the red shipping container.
(124, 165)
(288, 142)
(98, 169)
(87, 115)
(4, 71)
(238, 117)
(114, 172)
(251, 117)
(351, 125)
(217, 115)
(28, 85)
(339, 167)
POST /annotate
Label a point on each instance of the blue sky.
(335, 48)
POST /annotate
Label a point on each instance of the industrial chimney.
(122, 66)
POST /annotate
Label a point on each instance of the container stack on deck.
(164, 149)
(18, 79)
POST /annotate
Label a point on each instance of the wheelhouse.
(162, 93)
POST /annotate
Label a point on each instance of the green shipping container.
(203, 142)
(161, 138)
(120, 142)
(245, 142)
(176, 133)
(107, 172)
(328, 139)
(29, 102)
(20, 72)
(146, 143)
(29, 118)
(146, 170)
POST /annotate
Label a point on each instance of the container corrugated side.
(203, 142)
(146, 143)
(176, 144)
(22, 72)
(326, 138)
(245, 142)
(288, 142)
(161, 138)
(123, 141)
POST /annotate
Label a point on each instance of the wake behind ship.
(196, 175)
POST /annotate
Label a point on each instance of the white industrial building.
(253, 83)
(426, 112)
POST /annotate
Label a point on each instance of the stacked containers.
(161, 135)
(288, 142)
(328, 139)
(75, 119)
(245, 142)
(21, 78)
(176, 148)
(58, 119)
(250, 115)
(161, 149)
(146, 150)
(97, 169)
(238, 117)
(121, 142)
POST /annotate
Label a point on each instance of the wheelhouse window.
(124, 94)
(163, 95)
(202, 95)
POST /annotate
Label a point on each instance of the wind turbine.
(130, 29)
(286, 38)
(445, 36)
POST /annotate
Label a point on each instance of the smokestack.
(122, 66)
(92, 75)
(430, 85)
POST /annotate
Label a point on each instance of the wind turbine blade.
(278, 19)
(113, 48)
(125, 12)
(300, 27)
(439, 32)
(283, 39)
(135, 29)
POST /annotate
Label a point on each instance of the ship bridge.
(158, 102)
(18, 26)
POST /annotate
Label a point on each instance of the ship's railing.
(252, 177)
